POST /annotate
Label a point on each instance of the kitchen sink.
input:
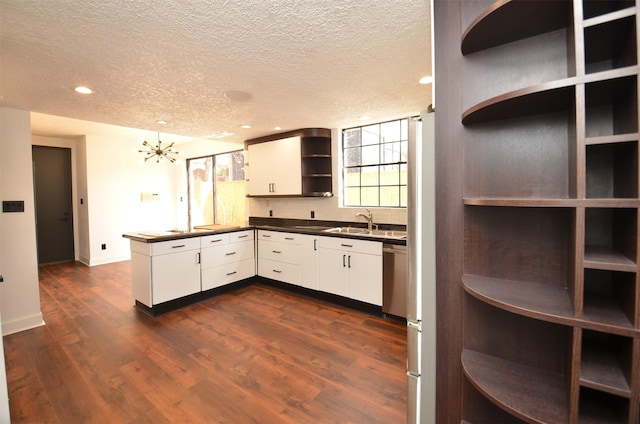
(357, 231)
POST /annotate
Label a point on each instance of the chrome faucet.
(369, 217)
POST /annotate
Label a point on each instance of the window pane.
(352, 196)
(390, 196)
(369, 196)
(352, 156)
(403, 196)
(404, 150)
(404, 129)
(352, 177)
(371, 134)
(371, 155)
(352, 137)
(230, 188)
(390, 131)
(390, 152)
(389, 175)
(370, 176)
(403, 174)
(201, 191)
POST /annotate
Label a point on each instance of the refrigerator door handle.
(414, 346)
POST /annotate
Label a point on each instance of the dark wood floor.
(256, 355)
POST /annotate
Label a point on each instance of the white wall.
(18, 260)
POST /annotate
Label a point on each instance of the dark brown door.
(54, 218)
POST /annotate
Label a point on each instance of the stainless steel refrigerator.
(421, 284)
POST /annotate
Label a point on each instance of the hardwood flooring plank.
(254, 355)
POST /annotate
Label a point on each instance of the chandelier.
(158, 152)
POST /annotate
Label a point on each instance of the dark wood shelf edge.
(290, 196)
(493, 292)
(513, 387)
(316, 156)
(609, 139)
(302, 133)
(317, 176)
(528, 202)
(608, 259)
(609, 17)
(552, 97)
(516, 20)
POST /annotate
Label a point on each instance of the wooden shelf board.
(601, 371)
(607, 259)
(317, 176)
(607, 139)
(551, 203)
(605, 311)
(531, 394)
(609, 17)
(316, 155)
(506, 21)
(540, 301)
(547, 97)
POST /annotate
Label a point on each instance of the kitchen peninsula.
(174, 268)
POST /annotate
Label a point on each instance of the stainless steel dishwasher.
(394, 280)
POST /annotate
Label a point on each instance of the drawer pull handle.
(246, 235)
(231, 273)
(289, 238)
(277, 271)
(277, 251)
(346, 245)
(215, 241)
(230, 253)
(266, 235)
(178, 246)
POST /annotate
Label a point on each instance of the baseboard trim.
(22, 324)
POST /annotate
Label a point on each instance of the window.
(217, 189)
(375, 165)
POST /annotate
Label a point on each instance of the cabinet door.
(309, 262)
(334, 275)
(287, 168)
(175, 275)
(260, 164)
(365, 277)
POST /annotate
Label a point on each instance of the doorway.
(53, 203)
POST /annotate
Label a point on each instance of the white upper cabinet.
(275, 168)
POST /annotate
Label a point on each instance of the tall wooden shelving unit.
(543, 301)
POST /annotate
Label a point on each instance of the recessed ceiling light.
(426, 79)
(364, 118)
(277, 128)
(237, 96)
(245, 126)
(161, 122)
(83, 90)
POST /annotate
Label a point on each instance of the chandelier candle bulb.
(158, 152)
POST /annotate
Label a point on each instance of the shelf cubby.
(611, 44)
(598, 8)
(610, 299)
(524, 376)
(612, 106)
(610, 239)
(529, 160)
(612, 170)
(606, 363)
(599, 408)
(481, 410)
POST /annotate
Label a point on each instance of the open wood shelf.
(508, 21)
(547, 163)
(529, 393)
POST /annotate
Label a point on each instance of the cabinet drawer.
(214, 240)
(228, 273)
(240, 236)
(226, 253)
(288, 273)
(278, 251)
(351, 245)
(290, 238)
(173, 246)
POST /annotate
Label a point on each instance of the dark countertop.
(312, 227)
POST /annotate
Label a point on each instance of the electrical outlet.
(313, 214)
(270, 212)
(104, 246)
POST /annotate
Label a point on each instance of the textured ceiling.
(305, 63)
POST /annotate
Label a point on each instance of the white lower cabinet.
(279, 256)
(227, 258)
(165, 270)
(309, 269)
(351, 268)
